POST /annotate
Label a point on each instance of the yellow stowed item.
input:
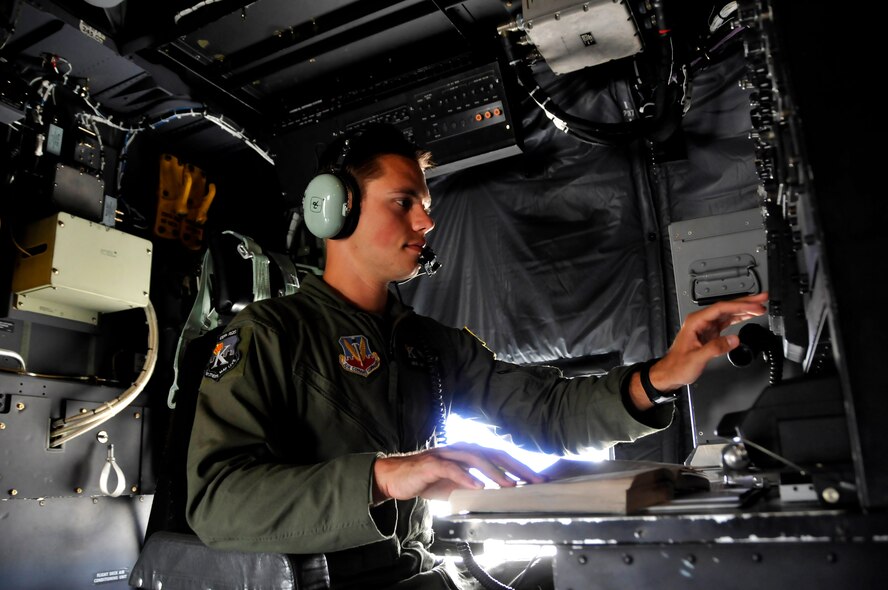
(169, 192)
(197, 205)
(183, 200)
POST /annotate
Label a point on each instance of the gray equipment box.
(714, 258)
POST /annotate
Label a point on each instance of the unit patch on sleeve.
(356, 355)
(225, 355)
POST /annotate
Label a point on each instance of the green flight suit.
(302, 394)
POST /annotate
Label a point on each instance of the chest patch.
(225, 355)
(415, 357)
(356, 355)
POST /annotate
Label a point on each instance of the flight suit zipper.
(395, 397)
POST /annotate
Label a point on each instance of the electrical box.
(77, 191)
(573, 35)
(714, 258)
(77, 269)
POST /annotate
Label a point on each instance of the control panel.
(463, 119)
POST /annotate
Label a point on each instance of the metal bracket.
(724, 277)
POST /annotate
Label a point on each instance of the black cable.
(437, 396)
(437, 383)
(440, 435)
(668, 110)
(659, 127)
(774, 357)
(480, 574)
(530, 564)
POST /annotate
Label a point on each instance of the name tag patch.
(415, 357)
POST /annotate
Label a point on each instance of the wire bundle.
(66, 429)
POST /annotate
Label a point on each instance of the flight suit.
(304, 392)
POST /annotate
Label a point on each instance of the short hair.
(366, 144)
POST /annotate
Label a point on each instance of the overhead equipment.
(661, 47)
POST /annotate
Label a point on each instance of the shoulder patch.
(356, 355)
(225, 355)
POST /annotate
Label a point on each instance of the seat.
(173, 557)
(179, 561)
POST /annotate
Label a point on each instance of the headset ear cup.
(326, 205)
(354, 210)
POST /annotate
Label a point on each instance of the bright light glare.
(497, 552)
(460, 429)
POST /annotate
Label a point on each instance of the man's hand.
(698, 342)
(434, 473)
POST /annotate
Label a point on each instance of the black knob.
(754, 339)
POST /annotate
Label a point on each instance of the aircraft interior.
(601, 170)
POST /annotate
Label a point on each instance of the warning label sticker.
(112, 576)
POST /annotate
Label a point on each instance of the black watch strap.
(656, 396)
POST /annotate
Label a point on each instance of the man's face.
(393, 221)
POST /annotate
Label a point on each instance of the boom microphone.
(428, 260)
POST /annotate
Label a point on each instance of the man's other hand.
(700, 340)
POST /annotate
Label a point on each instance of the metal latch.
(723, 278)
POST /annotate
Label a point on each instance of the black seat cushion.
(179, 561)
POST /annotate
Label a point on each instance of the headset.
(332, 203)
(332, 199)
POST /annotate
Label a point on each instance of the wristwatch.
(656, 396)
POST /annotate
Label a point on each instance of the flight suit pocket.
(327, 409)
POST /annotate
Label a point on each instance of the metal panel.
(702, 250)
(768, 525)
(11, 342)
(723, 566)
(766, 548)
(71, 543)
(696, 241)
(51, 345)
(30, 470)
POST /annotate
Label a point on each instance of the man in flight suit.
(316, 432)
